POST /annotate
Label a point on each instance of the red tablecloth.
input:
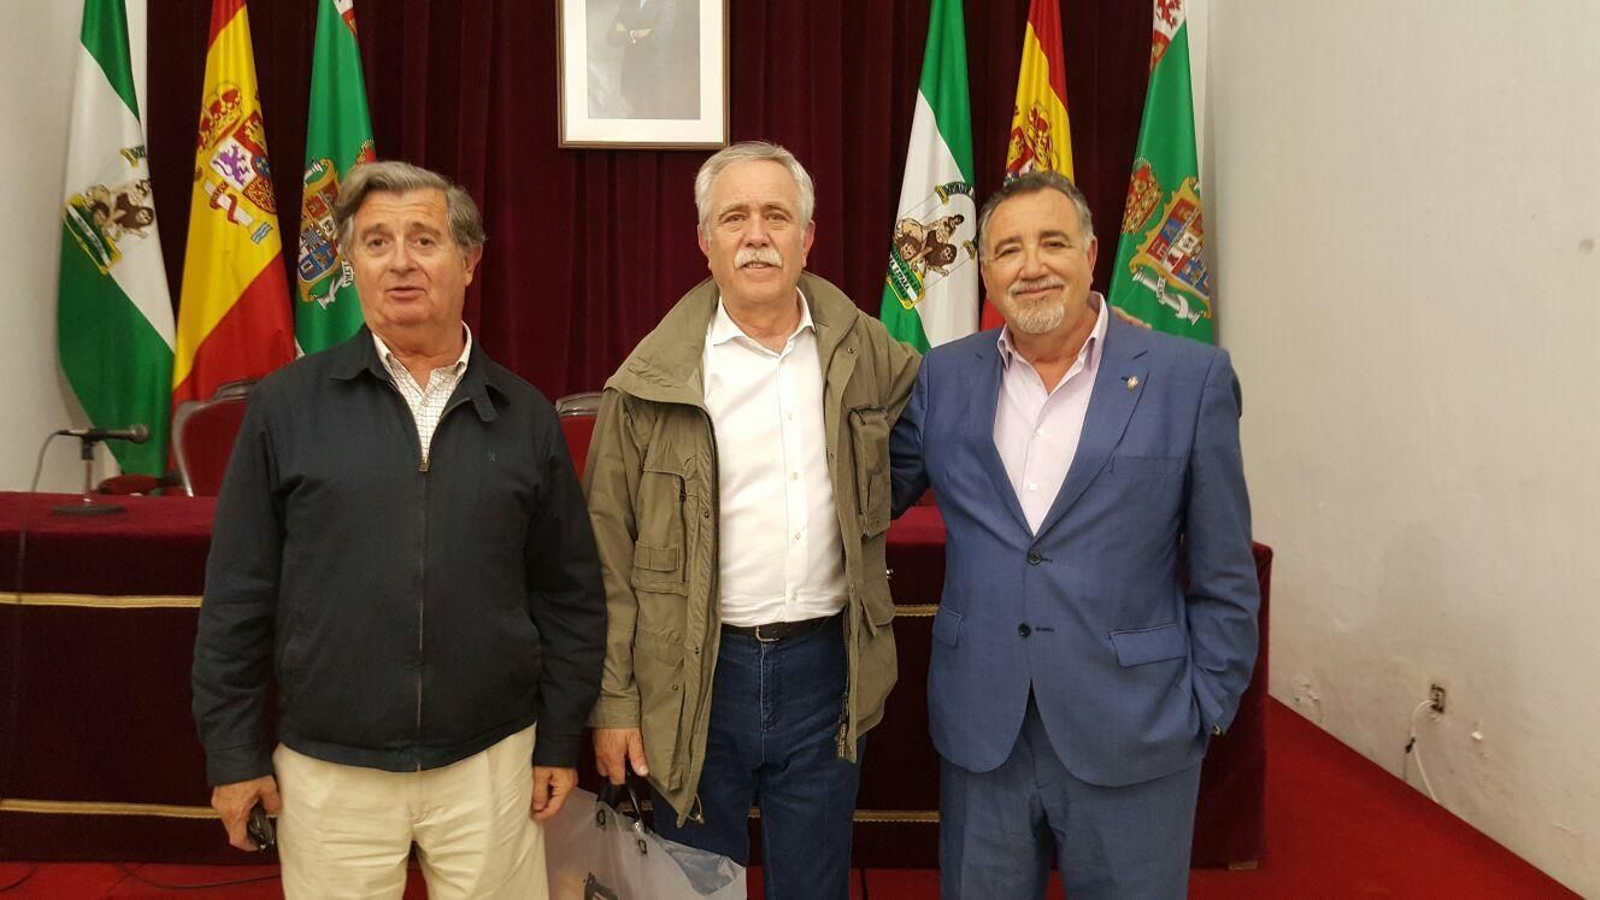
(96, 702)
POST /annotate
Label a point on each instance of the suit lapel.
(988, 376)
(1111, 404)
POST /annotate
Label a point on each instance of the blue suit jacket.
(1131, 671)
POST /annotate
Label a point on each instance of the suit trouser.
(347, 831)
(998, 828)
(775, 714)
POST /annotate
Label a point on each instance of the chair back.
(577, 413)
(579, 430)
(203, 432)
(583, 403)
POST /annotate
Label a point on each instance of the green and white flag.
(338, 137)
(931, 293)
(1160, 277)
(114, 313)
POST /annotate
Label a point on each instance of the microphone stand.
(87, 505)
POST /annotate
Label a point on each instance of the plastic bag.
(596, 853)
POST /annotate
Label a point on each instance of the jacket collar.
(1117, 388)
(359, 356)
(665, 367)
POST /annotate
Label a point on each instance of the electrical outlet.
(1436, 698)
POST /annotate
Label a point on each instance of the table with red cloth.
(98, 754)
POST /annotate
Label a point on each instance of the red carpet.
(1337, 827)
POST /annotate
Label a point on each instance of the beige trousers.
(346, 831)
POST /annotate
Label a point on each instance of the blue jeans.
(774, 743)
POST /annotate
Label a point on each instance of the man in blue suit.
(1098, 621)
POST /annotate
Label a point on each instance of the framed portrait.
(651, 74)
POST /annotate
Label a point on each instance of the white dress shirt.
(782, 559)
(1037, 430)
(426, 403)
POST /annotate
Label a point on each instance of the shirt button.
(1038, 432)
(794, 476)
(1034, 558)
(1032, 486)
(797, 535)
(1024, 630)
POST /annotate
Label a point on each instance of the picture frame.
(643, 74)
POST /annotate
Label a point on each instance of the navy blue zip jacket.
(410, 613)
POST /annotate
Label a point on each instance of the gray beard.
(1038, 318)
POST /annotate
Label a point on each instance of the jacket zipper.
(423, 467)
(422, 587)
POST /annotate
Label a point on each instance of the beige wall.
(1405, 204)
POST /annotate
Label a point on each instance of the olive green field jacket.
(651, 482)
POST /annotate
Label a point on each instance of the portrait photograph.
(646, 73)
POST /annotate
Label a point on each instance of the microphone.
(134, 434)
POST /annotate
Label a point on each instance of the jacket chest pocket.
(660, 552)
(1146, 466)
(869, 446)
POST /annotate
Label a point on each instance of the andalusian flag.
(1041, 136)
(338, 137)
(931, 293)
(233, 317)
(114, 315)
(1159, 276)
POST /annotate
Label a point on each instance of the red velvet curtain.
(587, 248)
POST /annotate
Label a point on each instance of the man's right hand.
(233, 803)
(615, 748)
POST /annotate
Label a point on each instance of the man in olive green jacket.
(738, 484)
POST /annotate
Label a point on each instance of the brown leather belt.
(777, 631)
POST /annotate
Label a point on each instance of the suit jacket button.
(1024, 630)
(1034, 558)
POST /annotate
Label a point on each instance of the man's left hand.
(551, 787)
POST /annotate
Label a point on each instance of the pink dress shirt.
(1037, 430)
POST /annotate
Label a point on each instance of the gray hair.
(395, 177)
(1032, 183)
(746, 152)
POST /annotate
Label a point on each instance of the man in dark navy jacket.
(1083, 466)
(402, 549)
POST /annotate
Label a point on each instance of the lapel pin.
(1133, 382)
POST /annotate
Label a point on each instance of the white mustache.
(1038, 284)
(765, 255)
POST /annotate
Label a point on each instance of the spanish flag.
(1041, 137)
(234, 315)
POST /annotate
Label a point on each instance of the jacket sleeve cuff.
(558, 751)
(615, 712)
(1215, 717)
(229, 765)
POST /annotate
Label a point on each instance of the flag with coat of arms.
(338, 138)
(113, 314)
(930, 294)
(1160, 276)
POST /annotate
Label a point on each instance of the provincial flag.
(233, 315)
(1041, 135)
(338, 138)
(1160, 277)
(930, 295)
(113, 313)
